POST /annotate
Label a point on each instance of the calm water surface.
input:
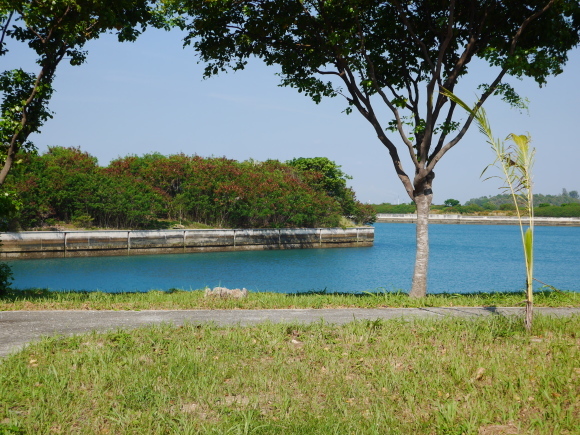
(464, 258)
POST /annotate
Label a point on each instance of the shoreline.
(67, 244)
(458, 219)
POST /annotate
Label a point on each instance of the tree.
(325, 175)
(573, 194)
(333, 180)
(55, 30)
(395, 54)
(451, 203)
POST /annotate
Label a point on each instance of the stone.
(222, 292)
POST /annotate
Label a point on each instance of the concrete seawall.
(477, 220)
(47, 244)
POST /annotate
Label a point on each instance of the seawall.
(477, 220)
(48, 244)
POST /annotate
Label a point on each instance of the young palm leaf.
(516, 162)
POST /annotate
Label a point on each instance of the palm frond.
(515, 162)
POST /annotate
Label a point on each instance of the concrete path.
(17, 328)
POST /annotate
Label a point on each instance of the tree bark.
(423, 202)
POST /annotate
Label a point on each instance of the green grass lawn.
(38, 299)
(484, 376)
(452, 376)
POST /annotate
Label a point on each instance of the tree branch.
(444, 133)
(5, 29)
(336, 73)
(418, 41)
(368, 113)
(390, 105)
(490, 90)
(467, 123)
(46, 73)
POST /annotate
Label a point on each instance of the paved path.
(17, 328)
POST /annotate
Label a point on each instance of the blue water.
(464, 258)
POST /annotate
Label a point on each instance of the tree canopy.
(54, 30)
(391, 56)
(398, 52)
(326, 176)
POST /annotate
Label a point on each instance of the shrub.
(396, 208)
(67, 185)
(507, 207)
(5, 278)
(570, 210)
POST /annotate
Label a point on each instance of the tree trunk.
(7, 164)
(419, 288)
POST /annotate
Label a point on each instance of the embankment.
(477, 220)
(47, 244)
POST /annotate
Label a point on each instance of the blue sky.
(147, 96)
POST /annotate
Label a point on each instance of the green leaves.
(55, 30)
(508, 94)
(516, 163)
(66, 184)
(15, 86)
(391, 53)
(400, 102)
(529, 249)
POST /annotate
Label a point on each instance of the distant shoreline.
(477, 220)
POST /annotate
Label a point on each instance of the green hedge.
(565, 210)
(151, 191)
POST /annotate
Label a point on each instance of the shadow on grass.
(491, 300)
(383, 293)
(366, 294)
(13, 295)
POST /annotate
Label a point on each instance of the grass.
(452, 376)
(39, 299)
(480, 376)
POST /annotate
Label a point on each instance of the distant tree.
(570, 210)
(397, 54)
(565, 192)
(472, 208)
(539, 198)
(451, 203)
(489, 206)
(573, 194)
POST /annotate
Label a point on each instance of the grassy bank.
(38, 299)
(452, 376)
